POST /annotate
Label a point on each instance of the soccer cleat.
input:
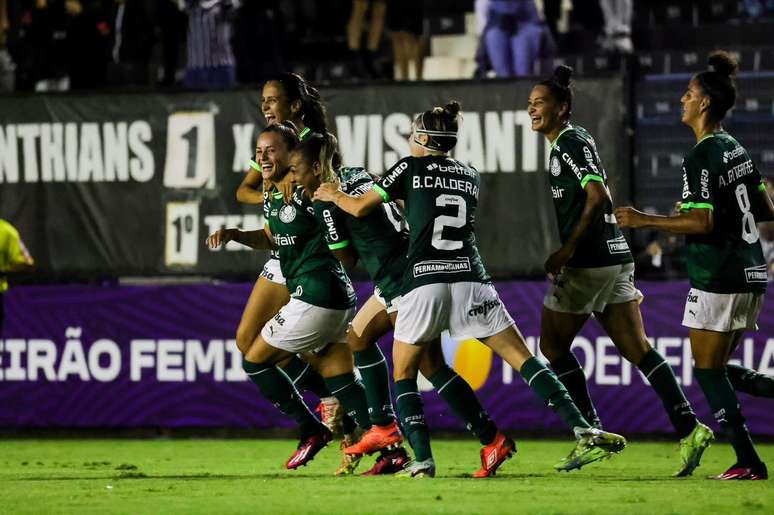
(418, 469)
(756, 473)
(494, 454)
(592, 445)
(349, 462)
(308, 448)
(376, 439)
(331, 413)
(692, 447)
(390, 462)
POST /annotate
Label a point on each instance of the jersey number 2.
(442, 221)
(749, 229)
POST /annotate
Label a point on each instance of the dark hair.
(718, 83)
(560, 86)
(440, 124)
(286, 130)
(313, 112)
(321, 148)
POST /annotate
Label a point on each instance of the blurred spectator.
(134, 37)
(366, 58)
(210, 61)
(483, 65)
(37, 42)
(14, 257)
(7, 66)
(661, 258)
(515, 37)
(618, 25)
(759, 8)
(258, 41)
(405, 21)
(89, 35)
(171, 26)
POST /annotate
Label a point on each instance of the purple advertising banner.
(164, 356)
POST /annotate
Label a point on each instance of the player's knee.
(431, 363)
(550, 350)
(244, 338)
(404, 371)
(356, 342)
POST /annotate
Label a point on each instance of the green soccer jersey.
(441, 197)
(574, 162)
(718, 174)
(376, 238)
(312, 273)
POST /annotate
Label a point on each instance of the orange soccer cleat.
(494, 454)
(376, 439)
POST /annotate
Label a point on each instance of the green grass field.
(245, 476)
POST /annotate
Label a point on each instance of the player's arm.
(249, 192)
(763, 208)
(257, 239)
(355, 206)
(346, 256)
(596, 199)
(336, 233)
(694, 213)
(692, 221)
(389, 188)
(593, 184)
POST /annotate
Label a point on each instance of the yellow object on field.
(473, 361)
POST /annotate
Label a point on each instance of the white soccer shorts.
(303, 327)
(273, 272)
(466, 309)
(585, 290)
(722, 312)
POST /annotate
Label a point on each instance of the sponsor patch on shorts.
(756, 274)
(483, 308)
(618, 245)
(442, 266)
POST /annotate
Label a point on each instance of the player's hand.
(220, 238)
(286, 186)
(678, 207)
(327, 191)
(629, 218)
(556, 261)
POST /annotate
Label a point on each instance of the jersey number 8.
(749, 229)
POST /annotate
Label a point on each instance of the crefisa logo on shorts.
(693, 298)
(287, 213)
(556, 167)
(483, 309)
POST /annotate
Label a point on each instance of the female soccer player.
(287, 97)
(314, 322)
(382, 247)
(723, 199)
(445, 284)
(593, 270)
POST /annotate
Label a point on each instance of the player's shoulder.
(299, 196)
(707, 149)
(408, 162)
(352, 177)
(575, 136)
